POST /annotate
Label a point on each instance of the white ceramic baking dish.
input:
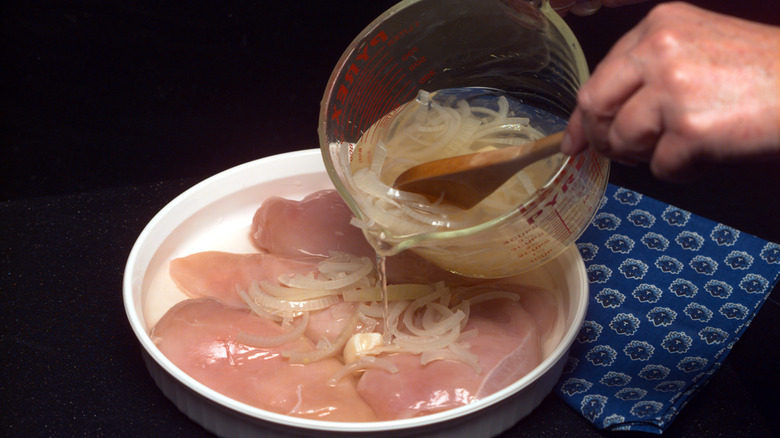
(215, 215)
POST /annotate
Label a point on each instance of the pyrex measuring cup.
(422, 50)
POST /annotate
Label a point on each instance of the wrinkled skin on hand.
(683, 89)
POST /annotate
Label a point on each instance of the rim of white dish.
(276, 167)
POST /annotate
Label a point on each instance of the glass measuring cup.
(426, 55)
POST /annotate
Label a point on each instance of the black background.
(111, 109)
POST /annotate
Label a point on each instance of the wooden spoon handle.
(542, 148)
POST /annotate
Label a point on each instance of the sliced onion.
(462, 138)
(372, 309)
(395, 292)
(425, 343)
(498, 116)
(465, 307)
(446, 296)
(369, 182)
(438, 328)
(361, 364)
(256, 308)
(434, 314)
(369, 324)
(505, 135)
(395, 311)
(419, 303)
(526, 181)
(274, 341)
(392, 221)
(358, 295)
(479, 110)
(294, 293)
(461, 349)
(465, 357)
(431, 128)
(338, 263)
(280, 306)
(306, 282)
(380, 152)
(425, 217)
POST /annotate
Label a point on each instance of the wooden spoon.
(467, 179)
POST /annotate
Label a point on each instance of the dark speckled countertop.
(110, 111)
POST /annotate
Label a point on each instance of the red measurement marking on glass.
(428, 76)
(386, 98)
(409, 92)
(391, 104)
(367, 78)
(379, 103)
(355, 107)
(389, 101)
(377, 96)
(350, 73)
(358, 104)
(383, 119)
(371, 110)
(399, 98)
(402, 33)
(563, 222)
(414, 60)
(363, 111)
(598, 168)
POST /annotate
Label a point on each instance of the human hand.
(586, 7)
(684, 88)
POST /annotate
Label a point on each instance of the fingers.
(574, 139)
(629, 137)
(674, 160)
(616, 77)
(599, 100)
(613, 82)
(637, 127)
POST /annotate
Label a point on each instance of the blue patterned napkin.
(671, 292)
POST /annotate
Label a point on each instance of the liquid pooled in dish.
(297, 327)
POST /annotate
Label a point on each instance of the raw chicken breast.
(542, 304)
(507, 344)
(315, 226)
(319, 224)
(328, 323)
(417, 389)
(199, 337)
(217, 274)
